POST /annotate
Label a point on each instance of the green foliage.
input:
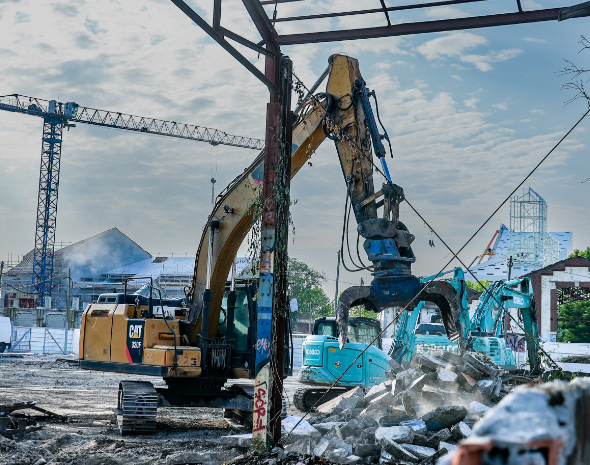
(574, 324)
(306, 286)
(581, 253)
(364, 312)
(477, 287)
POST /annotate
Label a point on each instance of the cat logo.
(135, 331)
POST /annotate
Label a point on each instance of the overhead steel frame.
(47, 208)
(266, 428)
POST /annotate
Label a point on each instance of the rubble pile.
(415, 418)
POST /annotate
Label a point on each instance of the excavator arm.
(344, 115)
(503, 295)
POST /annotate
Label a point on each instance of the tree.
(574, 324)
(478, 287)
(581, 253)
(306, 286)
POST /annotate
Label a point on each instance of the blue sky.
(469, 113)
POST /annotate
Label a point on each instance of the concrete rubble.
(415, 418)
(543, 424)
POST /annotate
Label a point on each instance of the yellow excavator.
(198, 343)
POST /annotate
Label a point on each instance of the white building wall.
(571, 274)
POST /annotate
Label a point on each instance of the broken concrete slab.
(237, 440)
(375, 391)
(393, 420)
(448, 446)
(489, 387)
(430, 362)
(450, 357)
(395, 365)
(444, 417)
(384, 399)
(446, 377)
(321, 447)
(471, 371)
(482, 363)
(368, 421)
(323, 428)
(420, 451)
(400, 434)
(366, 450)
(349, 400)
(477, 408)
(369, 433)
(460, 431)
(408, 404)
(397, 451)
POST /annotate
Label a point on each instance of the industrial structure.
(527, 241)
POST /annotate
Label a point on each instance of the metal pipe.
(213, 225)
(313, 88)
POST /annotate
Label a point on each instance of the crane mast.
(57, 116)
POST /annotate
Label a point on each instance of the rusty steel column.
(266, 427)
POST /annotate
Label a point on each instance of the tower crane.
(57, 116)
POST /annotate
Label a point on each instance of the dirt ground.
(90, 435)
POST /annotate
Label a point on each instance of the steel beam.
(245, 42)
(505, 19)
(261, 21)
(376, 10)
(221, 41)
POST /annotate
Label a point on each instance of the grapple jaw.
(400, 292)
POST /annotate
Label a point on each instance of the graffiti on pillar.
(516, 342)
(259, 411)
(267, 262)
(263, 344)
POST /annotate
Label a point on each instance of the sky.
(469, 114)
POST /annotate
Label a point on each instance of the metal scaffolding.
(530, 242)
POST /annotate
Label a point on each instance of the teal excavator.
(483, 332)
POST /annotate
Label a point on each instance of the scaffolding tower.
(530, 243)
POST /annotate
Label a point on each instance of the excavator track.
(305, 398)
(137, 407)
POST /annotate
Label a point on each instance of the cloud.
(456, 44)
(66, 9)
(501, 106)
(484, 62)
(21, 17)
(94, 27)
(535, 40)
(450, 45)
(471, 103)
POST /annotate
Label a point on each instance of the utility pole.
(510, 265)
(68, 297)
(310, 317)
(337, 278)
(360, 306)
(272, 301)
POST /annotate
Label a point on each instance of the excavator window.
(241, 319)
(358, 331)
(363, 333)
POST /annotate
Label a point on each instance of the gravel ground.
(90, 435)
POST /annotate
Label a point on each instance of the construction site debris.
(14, 422)
(416, 418)
(535, 425)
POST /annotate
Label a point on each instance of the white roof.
(496, 267)
(178, 266)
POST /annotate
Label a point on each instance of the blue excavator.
(483, 332)
(324, 362)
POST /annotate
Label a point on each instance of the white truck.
(5, 333)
